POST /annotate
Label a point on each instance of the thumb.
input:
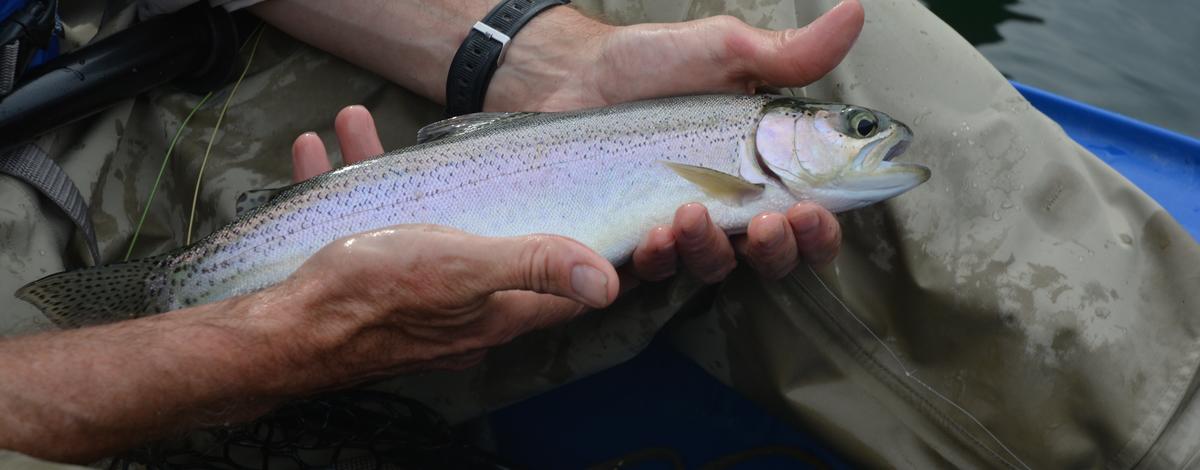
(797, 57)
(550, 264)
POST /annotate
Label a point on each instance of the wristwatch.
(483, 51)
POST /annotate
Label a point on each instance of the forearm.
(81, 394)
(411, 42)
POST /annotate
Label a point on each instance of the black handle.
(196, 47)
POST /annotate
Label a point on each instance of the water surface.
(1138, 58)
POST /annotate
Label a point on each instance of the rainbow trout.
(602, 176)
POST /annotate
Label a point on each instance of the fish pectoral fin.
(722, 186)
(464, 124)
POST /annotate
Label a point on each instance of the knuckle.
(724, 21)
(537, 254)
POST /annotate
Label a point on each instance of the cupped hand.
(774, 244)
(420, 297)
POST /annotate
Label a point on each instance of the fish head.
(836, 154)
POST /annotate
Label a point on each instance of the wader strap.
(31, 164)
(9, 55)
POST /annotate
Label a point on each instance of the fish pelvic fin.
(721, 186)
(102, 294)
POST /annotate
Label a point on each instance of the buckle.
(494, 35)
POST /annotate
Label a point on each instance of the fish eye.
(862, 123)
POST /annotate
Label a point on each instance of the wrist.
(555, 48)
(296, 336)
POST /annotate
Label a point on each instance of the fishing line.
(911, 373)
(216, 128)
(161, 170)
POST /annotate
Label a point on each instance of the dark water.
(1138, 58)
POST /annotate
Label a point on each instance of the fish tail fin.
(103, 294)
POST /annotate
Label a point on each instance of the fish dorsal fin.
(255, 198)
(466, 123)
(722, 186)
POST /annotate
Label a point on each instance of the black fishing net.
(349, 430)
(368, 430)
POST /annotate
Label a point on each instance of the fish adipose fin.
(103, 294)
(464, 124)
(722, 186)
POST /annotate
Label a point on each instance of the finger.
(797, 57)
(456, 362)
(704, 249)
(818, 233)
(308, 157)
(655, 258)
(357, 136)
(771, 245)
(513, 313)
(546, 264)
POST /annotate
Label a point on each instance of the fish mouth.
(898, 148)
(890, 179)
(875, 173)
(883, 150)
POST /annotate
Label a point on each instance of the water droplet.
(42, 252)
(1126, 239)
(970, 142)
(1006, 205)
(996, 215)
(954, 133)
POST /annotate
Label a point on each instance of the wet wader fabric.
(1035, 308)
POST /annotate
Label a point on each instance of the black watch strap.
(483, 51)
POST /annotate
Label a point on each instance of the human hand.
(564, 60)
(591, 64)
(425, 297)
(420, 297)
(774, 244)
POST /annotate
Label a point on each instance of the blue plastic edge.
(1045, 101)
(1162, 163)
(1066, 110)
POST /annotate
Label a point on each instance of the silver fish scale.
(594, 176)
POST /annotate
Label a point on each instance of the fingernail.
(590, 284)
(807, 223)
(662, 236)
(772, 233)
(697, 230)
